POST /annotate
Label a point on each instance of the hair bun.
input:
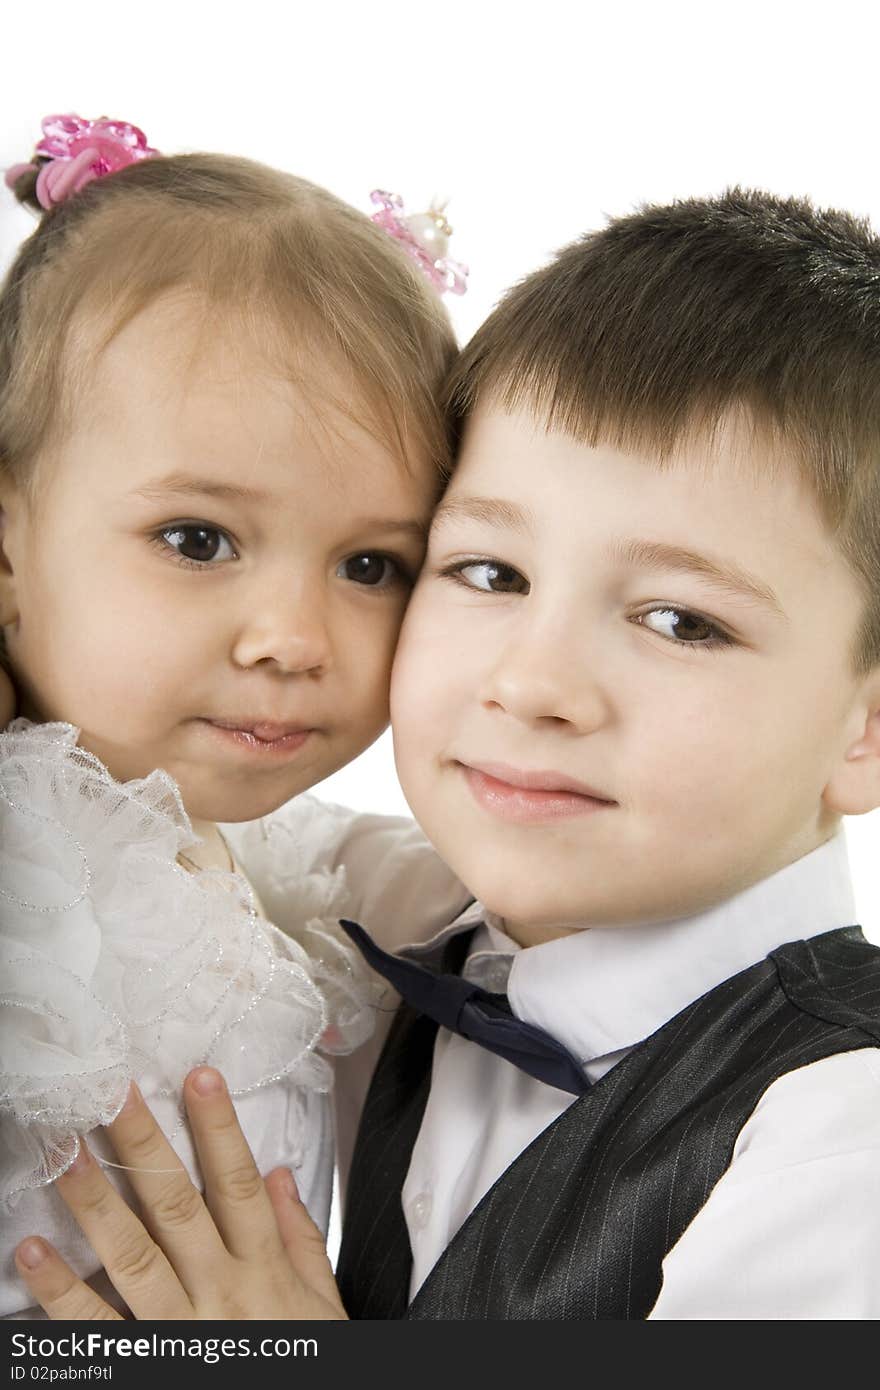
(22, 179)
(72, 153)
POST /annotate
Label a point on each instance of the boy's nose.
(537, 680)
(287, 631)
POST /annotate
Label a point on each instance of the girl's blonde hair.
(304, 274)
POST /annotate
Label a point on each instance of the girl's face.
(213, 577)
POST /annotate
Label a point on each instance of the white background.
(537, 120)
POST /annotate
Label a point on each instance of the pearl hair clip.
(424, 236)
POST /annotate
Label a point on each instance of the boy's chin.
(531, 917)
(532, 913)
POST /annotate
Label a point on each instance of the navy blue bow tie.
(476, 1014)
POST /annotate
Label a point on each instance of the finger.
(234, 1189)
(56, 1288)
(172, 1208)
(137, 1267)
(302, 1239)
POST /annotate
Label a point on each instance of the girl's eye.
(684, 628)
(201, 545)
(490, 577)
(371, 570)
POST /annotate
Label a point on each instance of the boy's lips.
(520, 794)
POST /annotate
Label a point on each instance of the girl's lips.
(265, 730)
(525, 801)
(261, 737)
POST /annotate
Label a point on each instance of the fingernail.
(289, 1184)
(33, 1252)
(207, 1082)
(81, 1162)
(131, 1100)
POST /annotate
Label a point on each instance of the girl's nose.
(289, 631)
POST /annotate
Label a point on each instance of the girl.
(219, 449)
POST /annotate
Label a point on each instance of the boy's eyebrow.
(658, 555)
(491, 510)
(648, 554)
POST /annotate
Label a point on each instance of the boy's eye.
(370, 569)
(199, 544)
(684, 627)
(489, 576)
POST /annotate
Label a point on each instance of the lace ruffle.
(285, 856)
(117, 963)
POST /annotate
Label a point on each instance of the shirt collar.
(606, 988)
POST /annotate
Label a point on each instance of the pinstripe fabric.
(373, 1269)
(578, 1225)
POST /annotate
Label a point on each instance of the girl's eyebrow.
(727, 575)
(191, 485)
(491, 510)
(188, 485)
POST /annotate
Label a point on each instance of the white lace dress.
(117, 964)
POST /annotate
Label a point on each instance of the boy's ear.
(8, 600)
(854, 787)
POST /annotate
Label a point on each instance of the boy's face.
(214, 576)
(675, 641)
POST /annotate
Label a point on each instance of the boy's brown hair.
(668, 320)
(309, 278)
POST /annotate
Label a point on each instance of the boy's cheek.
(426, 699)
(418, 664)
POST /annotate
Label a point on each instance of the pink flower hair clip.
(424, 237)
(74, 151)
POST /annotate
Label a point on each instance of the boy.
(637, 688)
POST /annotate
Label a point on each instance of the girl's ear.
(8, 600)
(854, 786)
(7, 699)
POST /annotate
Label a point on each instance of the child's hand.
(7, 699)
(251, 1252)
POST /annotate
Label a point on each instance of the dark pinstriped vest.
(579, 1224)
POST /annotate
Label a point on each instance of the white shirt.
(792, 1229)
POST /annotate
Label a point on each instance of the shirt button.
(420, 1210)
